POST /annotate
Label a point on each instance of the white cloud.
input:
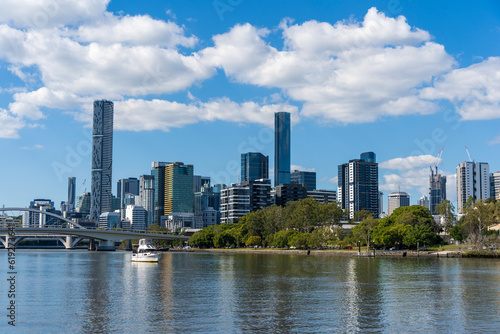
(134, 30)
(300, 168)
(49, 13)
(34, 147)
(10, 124)
(347, 72)
(410, 162)
(475, 90)
(163, 115)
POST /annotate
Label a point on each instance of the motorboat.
(146, 252)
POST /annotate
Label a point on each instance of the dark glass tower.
(307, 179)
(358, 185)
(281, 148)
(71, 193)
(102, 158)
(254, 166)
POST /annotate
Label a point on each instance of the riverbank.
(314, 252)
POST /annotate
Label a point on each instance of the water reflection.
(93, 292)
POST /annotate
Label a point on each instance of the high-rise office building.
(158, 171)
(199, 182)
(83, 204)
(179, 193)
(136, 215)
(125, 187)
(323, 196)
(234, 203)
(70, 204)
(285, 193)
(254, 166)
(147, 197)
(396, 200)
(424, 201)
(495, 185)
(102, 159)
(358, 185)
(307, 179)
(282, 160)
(473, 179)
(437, 191)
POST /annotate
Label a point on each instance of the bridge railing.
(100, 229)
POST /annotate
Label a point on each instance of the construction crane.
(438, 157)
(467, 150)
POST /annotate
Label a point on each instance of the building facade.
(71, 203)
(110, 220)
(147, 197)
(308, 179)
(254, 166)
(288, 193)
(234, 203)
(495, 185)
(136, 216)
(125, 188)
(282, 159)
(396, 200)
(358, 185)
(102, 159)
(473, 179)
(424, 201)
(323, 196)
(158, 172)
(437, 192)
(179, 195)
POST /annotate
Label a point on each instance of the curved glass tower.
(281, 148)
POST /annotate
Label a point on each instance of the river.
(60, 291)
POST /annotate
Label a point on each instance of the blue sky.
(199, 81)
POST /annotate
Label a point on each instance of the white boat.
(146, 252)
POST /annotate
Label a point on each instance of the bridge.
(71, 236)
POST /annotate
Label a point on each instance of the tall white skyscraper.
(102, 158)
(147, 196)
(473, 179)
(495, 185)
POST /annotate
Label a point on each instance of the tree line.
(310, 224)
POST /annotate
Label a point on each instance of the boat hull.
(148, 258)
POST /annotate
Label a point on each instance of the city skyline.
(211, 109)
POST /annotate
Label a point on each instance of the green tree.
(457, 233)
(254, 241)
(301, 240)
(224, 239)
(421, 234)
(282, 238)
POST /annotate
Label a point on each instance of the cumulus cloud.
(49, 13)
(163, 115)
(475, 90)
(347, 72)
(412, 162)
(10, 124)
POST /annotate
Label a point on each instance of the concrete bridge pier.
(106, 245)
(92, 245)
(8, 241)
(129, 245)
(70, 241)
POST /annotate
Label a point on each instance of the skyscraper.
(147, 197)
(282, 161)
(125, 187)
(71, 194)
(254, 166)
(396, 200)
(158, 171)
(102, 158)
(437, 190)
(179, 193)
(473, 179)
(495, 185)
(358, 185)
(307, 179)
(424, 201)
